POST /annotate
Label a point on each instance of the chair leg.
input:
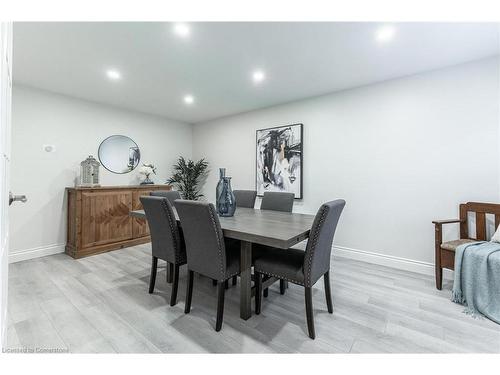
(221, 289)
(152, 278)
(226, 284)
(309, 312)
(439, 277)
(266, 291)
(175, 286)
(189, 291)
(438, 239)
(282, 286)
(214, 282)
(258, 292)
(328, 292)
(235, 280)
(170, 271)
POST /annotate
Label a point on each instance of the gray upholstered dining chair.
(166, 240)
(245, 198)
(207, 251)
(304, 267)
(171, 195)
(277, 201)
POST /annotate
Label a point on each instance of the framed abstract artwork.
(279, 160)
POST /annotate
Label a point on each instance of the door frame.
(5, 124)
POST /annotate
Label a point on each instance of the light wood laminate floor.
(101, 304)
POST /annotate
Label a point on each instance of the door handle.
(17, 198)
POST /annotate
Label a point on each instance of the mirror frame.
(117, 135)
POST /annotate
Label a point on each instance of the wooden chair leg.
(226, 284)
(152, 278)
(282, 286)
(266, 292)
(309, 312)
(258, 292)
(438, 239)
(175, 286)
(328, 292)
(221, 289)
(439, 277)
(170, 271)
(189, 292)
(235, 280)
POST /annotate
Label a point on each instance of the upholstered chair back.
(171, 195)
(245, 198)
(205, 249)
(319, 245)
(166, 240)
(277, 201)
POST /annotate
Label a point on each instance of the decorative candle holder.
(89, 172)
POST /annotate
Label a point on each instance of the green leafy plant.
(189, 177)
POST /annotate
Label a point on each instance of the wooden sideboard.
(99, 221)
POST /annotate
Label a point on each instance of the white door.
(5, 111)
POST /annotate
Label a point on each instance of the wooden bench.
(445, 251)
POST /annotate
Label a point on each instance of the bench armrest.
(449, 221)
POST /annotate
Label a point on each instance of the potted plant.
(188, 177)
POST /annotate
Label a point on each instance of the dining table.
(254, 226)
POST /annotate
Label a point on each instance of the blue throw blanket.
(477, 279)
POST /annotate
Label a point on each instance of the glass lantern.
(89, 172)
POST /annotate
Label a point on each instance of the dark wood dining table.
(253, 226)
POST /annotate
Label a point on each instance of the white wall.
(76, 128)
(401, 153)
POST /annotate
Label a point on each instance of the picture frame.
(279, 159)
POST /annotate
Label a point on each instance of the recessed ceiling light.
(385, 33)
(113, 74)
(189, 99)
(258, 76)
(182, 29)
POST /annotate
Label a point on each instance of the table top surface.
(266, 227)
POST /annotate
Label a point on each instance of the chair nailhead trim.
(234, 274)
(279, 277)
(174, 231)
(317, 230)
(219, 245)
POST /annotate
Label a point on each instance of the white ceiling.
(215, 63)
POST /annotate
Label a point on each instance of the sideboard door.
(105, 217)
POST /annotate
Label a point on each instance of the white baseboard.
(342, 251)
(36, 252)
(389, 261)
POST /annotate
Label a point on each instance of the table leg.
(246, 280)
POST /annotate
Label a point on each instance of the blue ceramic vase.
(226, 202)
(218, 189)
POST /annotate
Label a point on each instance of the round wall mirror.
(119, 154)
